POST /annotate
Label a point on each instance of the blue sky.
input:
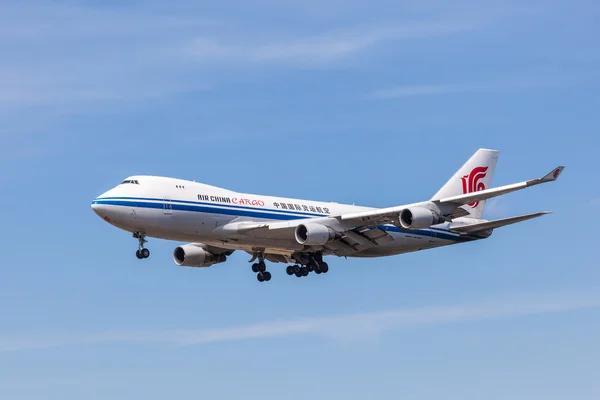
(374, 103)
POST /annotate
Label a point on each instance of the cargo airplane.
(215, 222)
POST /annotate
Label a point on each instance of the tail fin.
(475, 175)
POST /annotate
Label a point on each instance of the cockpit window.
(134, 181)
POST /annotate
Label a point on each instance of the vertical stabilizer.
(475, 175)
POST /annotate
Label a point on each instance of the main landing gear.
(315, 264)
(141, 252)
(304, 270)
(261, 271)
(306, 263)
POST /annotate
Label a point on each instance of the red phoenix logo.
(472, 182)
(556, 173)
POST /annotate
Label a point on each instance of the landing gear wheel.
(324, 267)
(141, 251)
(318, 270)
(305, 271)
(298, 274)
(266, 275)
(290, 270)
(255, 267)
(310, 267)
(297, 269)
(260, 277)
(261, 266)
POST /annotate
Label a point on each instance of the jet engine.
(314, 234)
(193, 255)
(418, 218)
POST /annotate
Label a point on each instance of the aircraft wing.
(483, 226)
(451, 206)
(489, 193)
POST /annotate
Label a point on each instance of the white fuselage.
(187, 211)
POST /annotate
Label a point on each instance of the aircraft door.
(167, 206)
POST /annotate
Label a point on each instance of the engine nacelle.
(314, 234)
(418, 218)
(193, 255)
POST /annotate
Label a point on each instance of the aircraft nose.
(103, 211)
(102, 207)
(98, 208)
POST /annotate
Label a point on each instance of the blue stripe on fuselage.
(213, 209)
(240, 211)
(233, 206)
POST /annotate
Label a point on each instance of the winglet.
(552, 176)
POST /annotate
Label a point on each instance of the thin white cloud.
(69, 56)
(420, 90)
(326, 47)
(342, 328)
(505, 85)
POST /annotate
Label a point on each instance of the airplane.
(215, 222)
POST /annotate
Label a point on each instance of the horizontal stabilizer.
(483, 226)
(489, 193)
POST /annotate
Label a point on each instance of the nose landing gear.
(141, 252)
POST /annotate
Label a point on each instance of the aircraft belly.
(187, 226)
